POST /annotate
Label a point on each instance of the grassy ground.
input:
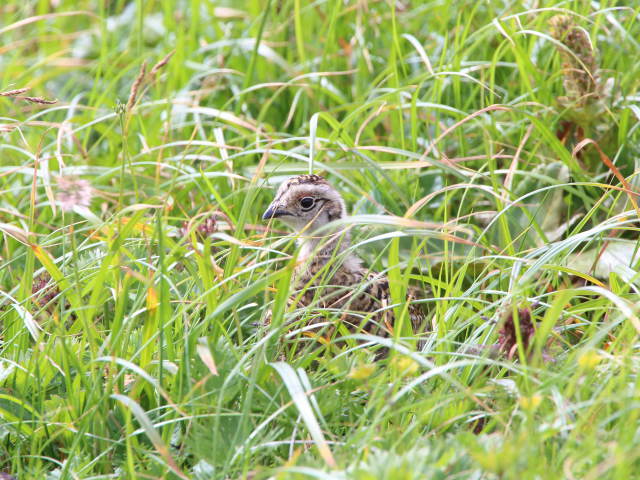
(486, 153)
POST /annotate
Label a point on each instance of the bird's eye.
(307, 202)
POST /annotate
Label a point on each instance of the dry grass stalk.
(133, 95)
(13, 93)
(142, 75)
(17, 93)
(161, 64)
(40, 100)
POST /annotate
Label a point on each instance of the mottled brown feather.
(363, 296)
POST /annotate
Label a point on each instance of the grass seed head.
(580, 67)
(507, 337)
(44, 290)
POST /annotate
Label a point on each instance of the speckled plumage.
(328, 275)
(361, 295)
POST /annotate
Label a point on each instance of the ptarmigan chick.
(329, 275)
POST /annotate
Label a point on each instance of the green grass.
(142, 358)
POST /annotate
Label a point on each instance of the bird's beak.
(274, 211)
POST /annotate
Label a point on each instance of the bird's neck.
(326, 248)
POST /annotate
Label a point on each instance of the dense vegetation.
(487, 151)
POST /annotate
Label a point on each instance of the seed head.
(507, 338)
(580, 68)
(44, 291)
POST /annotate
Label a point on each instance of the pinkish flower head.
(73, 192)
